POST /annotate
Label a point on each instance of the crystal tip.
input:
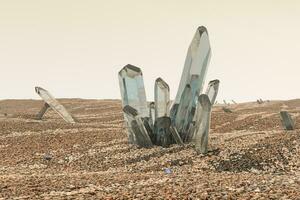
(162, 82)
(216, 81)
(201, 29)
(130, 111)
(131, 68)
(37, 89)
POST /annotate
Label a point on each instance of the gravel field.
(250, 157)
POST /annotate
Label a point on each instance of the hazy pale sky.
(75, 48)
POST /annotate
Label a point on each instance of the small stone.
(257, 190)
(47, 157)
(168, 171)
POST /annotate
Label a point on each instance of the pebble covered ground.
(250, 155)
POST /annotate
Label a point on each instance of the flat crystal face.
(54, 104)
(182, 110)
(133, 90)
(195, 90)
(162, 98)
(205, 102)
(192, 105)
(162, 131)
(142, 139)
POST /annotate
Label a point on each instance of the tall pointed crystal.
(196, 63)
(180, 115)
(193, 74)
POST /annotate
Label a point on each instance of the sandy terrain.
(251, 156)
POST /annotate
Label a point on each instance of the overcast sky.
(75, 48)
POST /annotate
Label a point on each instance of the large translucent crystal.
(194, 73)
(196, 63)
(133, 90)
(51, 102)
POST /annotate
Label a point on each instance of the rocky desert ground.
(251, 156)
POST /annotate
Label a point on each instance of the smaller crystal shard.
(162, 98)
(182, 110)
(227, 110)
(149, 128)
(42, 111)
(176, 135)
(173, 112)
(287, 121)
(162, 131)
(201, 134)
(54, 104)
(138, 128)
(212, 90)
(211, 93)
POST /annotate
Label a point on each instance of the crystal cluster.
(187, 119)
